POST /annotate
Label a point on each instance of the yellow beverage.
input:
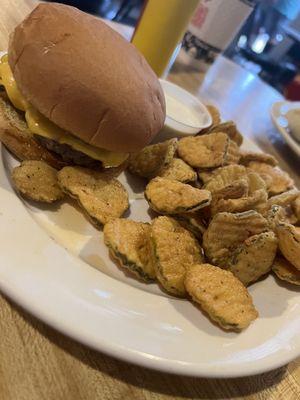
(161, 28)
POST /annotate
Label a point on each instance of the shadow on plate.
(136, 184)
(272, 295)
(96, 254)
(287, 285)
(272, 303)
(201, 320)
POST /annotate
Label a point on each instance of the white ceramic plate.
(54, 263)
(278, 111)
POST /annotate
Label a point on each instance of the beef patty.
(68, 154)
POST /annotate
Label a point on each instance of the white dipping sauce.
(185, 113)
(179, 111)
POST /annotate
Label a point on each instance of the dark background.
(268, 44)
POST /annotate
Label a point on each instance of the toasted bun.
(86, 78)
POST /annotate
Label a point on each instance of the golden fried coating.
(221, 295)
(236, 189)
(193, 222)
(296, 207)
(278, 214)
(274, 216)
(286, 210)
(257, 190)
(277, 181)
(227, 231)
(283, 199)
(232, 154)
(167, 196)
(205, 175)
(248, 156)
(129, 242)
(285, 271)
(101, 197)
(253, 258)
(36, 180)
(290, 216)
(178, 170)
(228, 127)
(175, 248)
(149, 161)
(205, 151)
(231, 198)
(222, 177)
(289, 243)
(215, 114)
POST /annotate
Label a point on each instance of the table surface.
(39, 363)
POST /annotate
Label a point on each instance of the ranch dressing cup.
(211, 29)
(185, 113)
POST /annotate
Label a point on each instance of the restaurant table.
(37, 362)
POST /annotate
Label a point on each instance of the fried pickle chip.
(149, 161)
(289, 215)
(175, 248)
(248, 156)
(257, 194)
(222, 177)
(228, 127)
(101, 197)
(235, 189)
(230, 198)
(274, 216)
(205, 151)
(129, 242)
(253, 258)
(36, 180)
(221, 295)
(285, 271)
(254, 198)
(193, 222)
(206, 175)
(283, 199)
(289, 243)
(215, 114)
(232, 154)
(167, 196)
(296, 207)
(178, 170)
(277, 181)
(227, 231)
(285, 202)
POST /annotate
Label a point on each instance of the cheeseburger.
(87, 96)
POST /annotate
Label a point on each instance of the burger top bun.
(86, 78)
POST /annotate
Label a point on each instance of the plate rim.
(140, 359)
(292, 143)
(120, 352)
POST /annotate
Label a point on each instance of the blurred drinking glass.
(212, 28)
(160, 30)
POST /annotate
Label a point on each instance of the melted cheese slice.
(8, 81)
(40, 125)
